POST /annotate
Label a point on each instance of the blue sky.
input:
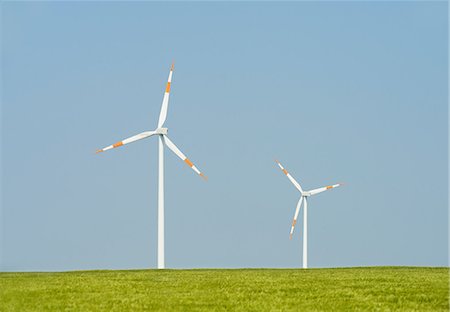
(337, 91)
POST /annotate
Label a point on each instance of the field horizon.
(248, 289)
(221, 269)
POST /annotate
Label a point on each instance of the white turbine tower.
(303, 197)
(163, 140)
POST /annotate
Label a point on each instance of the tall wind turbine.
(303, 197)
(164, 140)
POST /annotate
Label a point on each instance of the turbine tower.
(164, 140)
(304, 197)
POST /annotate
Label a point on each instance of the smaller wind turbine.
(305, 195)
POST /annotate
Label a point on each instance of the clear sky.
(337, 91)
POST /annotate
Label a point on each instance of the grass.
(346, 289)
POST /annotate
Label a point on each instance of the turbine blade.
(165, 103)
(323, 189)
(296, 184)
(134, 138)
(183, 157)
(297, 210)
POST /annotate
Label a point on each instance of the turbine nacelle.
(162, 131)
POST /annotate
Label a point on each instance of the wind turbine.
(164, 140)
(303, 197)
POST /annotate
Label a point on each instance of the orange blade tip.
(204, 177)
(173, 64)
(98, 151)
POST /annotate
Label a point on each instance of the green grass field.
(374, 289)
